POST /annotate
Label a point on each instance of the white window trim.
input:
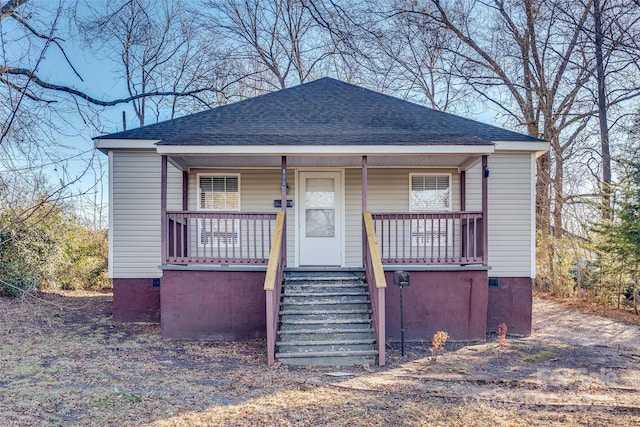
(205, 174)
(450, 175)
(421, 229)
(209, 224)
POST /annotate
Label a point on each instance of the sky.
(100, 80)
(75, 141)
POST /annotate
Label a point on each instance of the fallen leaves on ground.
(64, 362)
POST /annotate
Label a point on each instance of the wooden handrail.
(374, 251)
(274, 253)
(273, 286)
(376, 283)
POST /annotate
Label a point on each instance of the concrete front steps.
(325, 319)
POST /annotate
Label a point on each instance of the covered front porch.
(252, 246)
(195, 235)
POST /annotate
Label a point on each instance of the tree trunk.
(602, 114)
(543, 205)
(558, 198)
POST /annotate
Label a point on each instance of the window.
(219, 192)
(430, 193)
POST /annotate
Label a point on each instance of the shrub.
(50, 249)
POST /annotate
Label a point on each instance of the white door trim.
(298, 205)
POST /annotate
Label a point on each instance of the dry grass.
(624, 314)
(64, 362)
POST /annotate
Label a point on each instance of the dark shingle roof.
(322, 112)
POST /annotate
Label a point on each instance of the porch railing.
(273, 286)
(376, 282)
(431, 237)
(218, 237)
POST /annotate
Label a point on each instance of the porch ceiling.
(460, 161)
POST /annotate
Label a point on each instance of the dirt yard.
(64, 362)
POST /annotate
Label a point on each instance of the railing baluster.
(225, 242)
(262, 238)
(255, 239)
(422, 236)
(431, 239)
(175, 237)
(448, 226)
(270, 237)
(199, 236)
(411, 239)
(452, 222)
(473, 230)
(476, 238)
(233, 238)
(404, 236)
(382, 237)
(446, 237)
(470, 238)
(464, 237)
(224, 247)
(386, 235)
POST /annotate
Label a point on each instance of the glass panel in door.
(320, 218)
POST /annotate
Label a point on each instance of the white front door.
(320, 213)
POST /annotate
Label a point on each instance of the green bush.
(84, 264)
(555, 257)
(49, 248)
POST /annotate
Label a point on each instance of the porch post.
(185, 190)
(283, 207)
(163, 209)
(463, 191)
(364, 208)
(485, 210)
(364, 183)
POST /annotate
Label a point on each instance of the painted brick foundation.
(451, 301)
(228, 305)
(511, 303)
(135, 300)
(213, 304)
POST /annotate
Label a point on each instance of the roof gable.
(322, 112)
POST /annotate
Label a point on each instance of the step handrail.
(376, 281)
(273, 285)
(374, 251)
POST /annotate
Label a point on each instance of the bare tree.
(164, 63)
(528, 62)
(278, 40)
(21, 74)
(602, 110)
(614, 33)
(415, 55)
(36, 173)
(31, 123)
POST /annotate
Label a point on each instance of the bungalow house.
(288, 215)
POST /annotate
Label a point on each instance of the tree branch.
(23, 90)
(9, 7)
(5, 70)
(53, 40)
